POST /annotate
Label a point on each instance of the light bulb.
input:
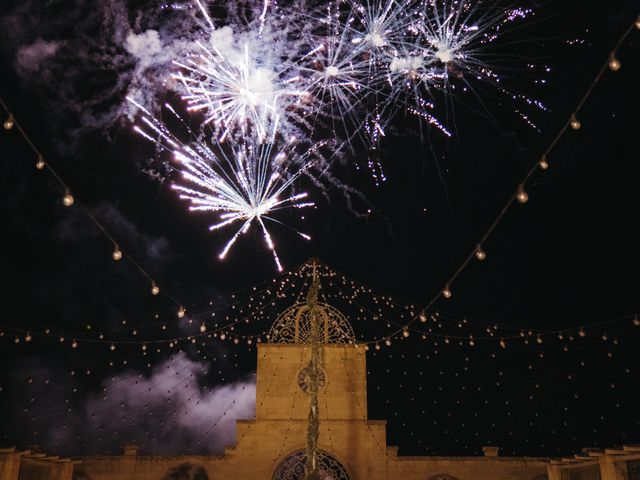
(638, 22)
(480, 253)
(181, 312)
(522, 195)
(502, 343)
(446, 293)
(144, 347)
(9, 122)
(636, 321)
(581, 332)
(68, 199)
(235, 341)
(387, 342)
(74, 343)
(223, 336)
(40, 163)
(377, 347)
(575, 123)
(405, 333)
(112, 347)
(155, 290)
(203, 328)
(614, 63)
(117, 253)
(544, 164)
(249, 341)
(423, 317)
(28, 337)
(539, 339)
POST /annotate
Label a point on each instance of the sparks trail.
(243, 183)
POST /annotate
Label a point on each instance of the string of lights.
(520, 196)
(69, 199)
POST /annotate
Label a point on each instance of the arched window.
(292, 467)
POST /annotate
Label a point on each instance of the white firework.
(242, 184)
(246, 80)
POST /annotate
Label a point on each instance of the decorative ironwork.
(304, 378)
(294, 325)
(632, 472)
(582, 473)
(292, 467)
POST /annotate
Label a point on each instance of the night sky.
(568, 259)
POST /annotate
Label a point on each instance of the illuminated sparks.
(336, 69)
(243, 184)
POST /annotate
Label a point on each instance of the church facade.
(272, 446)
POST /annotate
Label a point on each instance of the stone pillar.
(490, 451)
(608, 470)
(553, 472)
(11, 464)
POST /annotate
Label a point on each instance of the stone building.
(272, 445)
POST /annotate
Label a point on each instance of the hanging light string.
(516, 332)
(521, 195)
(69, 199)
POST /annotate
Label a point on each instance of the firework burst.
(242, 184)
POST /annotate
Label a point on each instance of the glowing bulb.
(8, 123)
(249, 341)
(522, 195)
(502, 343)
(480, 253)
(614, 63)
(155, 290)
(539, 339)
(28, 337)
(636, 321)
(446, 293)
(405, 333)
(223, 336)
(377, 347)
(112, 347)
(423, 317)
(581, 332)
(117, 253)
(74, 343)
(235, 341)
(638, 22)
(181, 312)
(544, 164)
(68, 199)
(144, 347)
(40, 163)
(575, 123)
(203, 328)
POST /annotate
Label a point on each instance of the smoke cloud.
(167, 412)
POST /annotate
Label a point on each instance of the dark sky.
(568, 258)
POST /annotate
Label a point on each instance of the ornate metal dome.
(294, 325)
